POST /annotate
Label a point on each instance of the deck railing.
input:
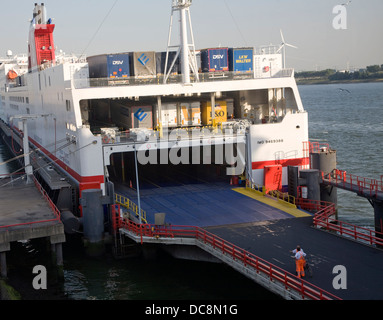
(175, 79)
(364, 186)
(325, 218)
(204, 238)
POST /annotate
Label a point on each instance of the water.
(350, 122)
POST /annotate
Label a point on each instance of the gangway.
(365, 187)
(372, 190)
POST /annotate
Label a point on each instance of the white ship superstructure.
(80, 112)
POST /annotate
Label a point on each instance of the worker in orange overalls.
(300, 261)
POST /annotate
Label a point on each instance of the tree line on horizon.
(371, 72)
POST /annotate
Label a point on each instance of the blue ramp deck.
(202, 205)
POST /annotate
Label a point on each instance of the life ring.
(266, 69)
(12, 75)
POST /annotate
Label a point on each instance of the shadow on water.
(107, 278)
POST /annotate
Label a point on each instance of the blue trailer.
(215, 60)
(118, 66)
(241, 60)
(111, 66)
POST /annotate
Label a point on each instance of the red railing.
(319, 147)
(314, 147)
(289, 281)
(53, 207)
(364, 186)
(325, 218)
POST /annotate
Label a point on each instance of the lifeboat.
(12, 75)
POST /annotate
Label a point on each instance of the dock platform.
(240, 239)
(273, 240)
(27, 214)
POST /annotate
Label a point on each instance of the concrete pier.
(25, 214)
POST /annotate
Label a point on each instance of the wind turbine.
(283, 46)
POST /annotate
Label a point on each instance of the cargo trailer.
(190, 114)
(143, 64)
(169, 118)
(215, 60)
(112, 66)
(131, 117)
(220, 112)
(161, 60)
(241, 60)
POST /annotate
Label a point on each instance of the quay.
(28, 213)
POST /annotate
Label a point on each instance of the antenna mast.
(185, 49)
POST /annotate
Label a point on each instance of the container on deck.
(215, 60)
(168, 115)
(112, 66)
(190, 114)
(241, 60)
(161, 60)
(220, 112)
(143, 64)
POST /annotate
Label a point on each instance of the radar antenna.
(186, 50)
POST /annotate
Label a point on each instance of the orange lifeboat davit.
(12, 75)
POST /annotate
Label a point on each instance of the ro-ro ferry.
(81, 113)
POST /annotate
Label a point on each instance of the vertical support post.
(184, 47)
(137, 183)
(3, 265)
(27, 162)
(212, 99)
(122, 167)
(378, 217)
(159, 105)
(59, 255)
(185, 50)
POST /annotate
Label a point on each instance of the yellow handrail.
(282, 196)
(131, 206)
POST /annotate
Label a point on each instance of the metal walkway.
(260, 251)
(272, 241)
(245, 228)
(364, 187)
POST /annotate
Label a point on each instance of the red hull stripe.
(94, 180)
(284, 163)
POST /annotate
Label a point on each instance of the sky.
(85, 27)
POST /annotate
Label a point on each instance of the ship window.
(67, 102)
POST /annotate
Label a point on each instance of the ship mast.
(185, 49)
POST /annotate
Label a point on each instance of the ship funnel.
(39, 14)
(41, 52)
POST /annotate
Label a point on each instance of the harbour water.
(350, 121)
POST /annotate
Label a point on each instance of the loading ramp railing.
(270, 276)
